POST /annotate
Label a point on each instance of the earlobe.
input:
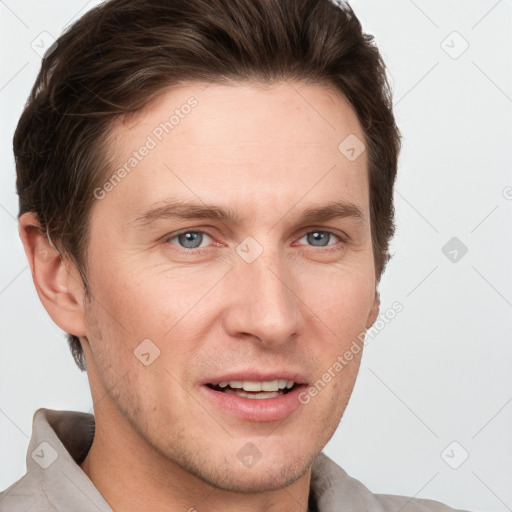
(374, 311)
(59, 288)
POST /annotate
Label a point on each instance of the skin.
(267, 154)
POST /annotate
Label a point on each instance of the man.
(206, 203)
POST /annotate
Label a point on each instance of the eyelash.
(202, 250)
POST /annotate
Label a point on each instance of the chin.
(254, 476)
(258, 480)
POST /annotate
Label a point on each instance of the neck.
(132, 475)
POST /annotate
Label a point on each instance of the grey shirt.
(61, 439)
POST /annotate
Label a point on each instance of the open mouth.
(257, 398)
(255, 390)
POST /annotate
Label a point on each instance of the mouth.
(255, 390)
(251, 396)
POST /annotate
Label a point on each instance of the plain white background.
(440, 371)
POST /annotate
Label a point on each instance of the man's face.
(262, 295)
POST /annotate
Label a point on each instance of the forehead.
(284, 113)
(220, 143)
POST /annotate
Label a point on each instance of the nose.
(262, 303)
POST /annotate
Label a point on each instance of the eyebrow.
(184, 210)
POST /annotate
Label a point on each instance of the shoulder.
(333, 487)
(54, 480)
(25, 494)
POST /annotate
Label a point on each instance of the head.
(245, 109)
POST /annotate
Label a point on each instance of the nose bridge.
(265, 305)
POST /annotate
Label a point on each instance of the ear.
(374, 311)
(57, 281)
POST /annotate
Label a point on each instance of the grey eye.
(319, 238)
(190, 239)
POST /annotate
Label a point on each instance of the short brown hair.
(123, 53)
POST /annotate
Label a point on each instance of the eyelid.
(343, 238)
(336, 232)
(183, 231)
(172, 236)
(332, 245)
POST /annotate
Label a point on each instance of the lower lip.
(253, 409)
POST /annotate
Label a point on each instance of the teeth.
(248, 385)
(254, 386)
(255, 396)
(270, 385)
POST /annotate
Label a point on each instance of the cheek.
(340, 303)
(171, 309)
(342, 298)
(136, 305)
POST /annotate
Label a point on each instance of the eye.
(320, 238)
(188, 239)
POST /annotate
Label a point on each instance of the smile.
(256, 390)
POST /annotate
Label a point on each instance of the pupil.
(318, 236)
(190, 240)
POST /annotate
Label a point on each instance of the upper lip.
(257, 376)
